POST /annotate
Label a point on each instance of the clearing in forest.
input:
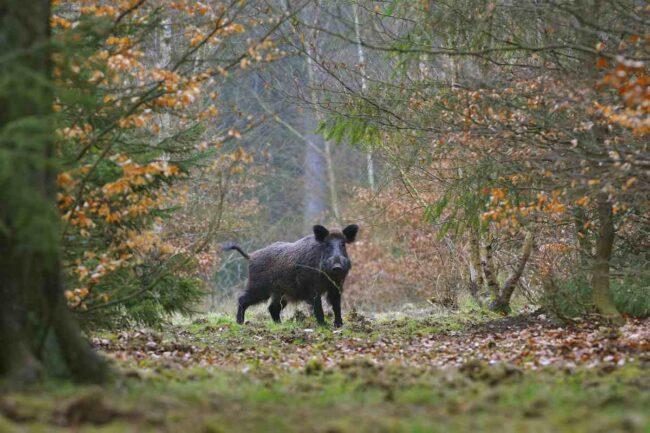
(441, 373)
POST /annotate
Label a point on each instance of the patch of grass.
(347, 398)
(209, 322)
(345, 380)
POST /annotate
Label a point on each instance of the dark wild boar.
(298, 271)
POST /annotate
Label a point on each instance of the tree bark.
(38, 334)
(315, 180)
(502, 303)
(318, 167)
(602, 296)
(501, 295)
(315, 161)
(318, 162)
(370, 164)
(164, 54)
(584, 245)
(487, 263)
(475, 274)
(331, 181)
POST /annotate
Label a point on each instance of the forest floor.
(446, 372)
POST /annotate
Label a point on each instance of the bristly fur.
(303, 270)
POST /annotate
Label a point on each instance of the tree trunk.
(602, 295)
(501, 295)
(315, 161)
(502, 303)
(319, 168)
(164, 55)
(584, 245)
(487, 263)
(475, 275)
(319, 172)
(315, 182)
(38, 333)
(331, 181)
(370, 164)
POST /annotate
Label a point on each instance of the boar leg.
(318, 310)
(245, 301)
(277, 305)
(334, 298)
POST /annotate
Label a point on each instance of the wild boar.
(298, 271)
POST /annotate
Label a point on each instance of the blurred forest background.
(487, 149)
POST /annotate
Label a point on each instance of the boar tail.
(233, 246)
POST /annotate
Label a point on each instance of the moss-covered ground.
(444, 373)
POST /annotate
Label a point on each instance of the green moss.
(348, 400)
(358, 393)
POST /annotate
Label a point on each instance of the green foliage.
(632, 296)
(573, 297)
(487, 116)
(141, 301)
(117, 272)
(351, 129)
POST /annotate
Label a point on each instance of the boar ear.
(350, 233)
(320, 232)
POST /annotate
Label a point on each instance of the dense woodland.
(494, 154)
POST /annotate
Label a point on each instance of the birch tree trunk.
(370, 165)
(475, 275)
(164, 51)
(489, 271)
(501, 295)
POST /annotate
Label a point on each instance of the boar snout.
(337, 264)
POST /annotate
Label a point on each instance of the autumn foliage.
(540, 132)
(135, 97)
(500, 140)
